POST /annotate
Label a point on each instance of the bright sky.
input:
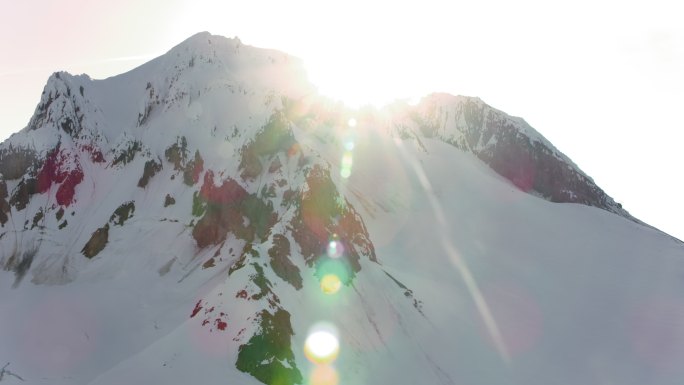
(602, 79)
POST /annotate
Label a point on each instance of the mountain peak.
(206, 42)
(207, 38)
(198, 217)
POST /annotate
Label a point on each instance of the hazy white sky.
(603, 80)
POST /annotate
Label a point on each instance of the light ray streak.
(457, 260)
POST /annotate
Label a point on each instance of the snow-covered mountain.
(202, 216)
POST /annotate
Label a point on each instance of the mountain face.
(508, 145)
(200, 217)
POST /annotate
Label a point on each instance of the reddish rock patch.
(66, 192)
(228, 208)
(95, 154)
(220, 324)
(50, 172)
(229, 192)
(53, 172)
(198, 307)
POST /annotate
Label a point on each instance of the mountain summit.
(208, 217)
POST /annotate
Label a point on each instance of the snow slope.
(174, 224)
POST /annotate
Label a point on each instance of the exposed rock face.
(56, 170)
(177, 153)
(4, 205)
(61, 106)
(97, 242)
(14, 162)
(23, 192)
(122, 213)
(193, 169)
(267, 355)
(323, 216)
(281, 264)
(508, 145)
(151, 168)
(169, 200)
(228, 208)
(126, 153)
(274, 138)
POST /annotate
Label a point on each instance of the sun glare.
(357, 87)
(322, 345)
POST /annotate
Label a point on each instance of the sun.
(322, 344)
(357, 85)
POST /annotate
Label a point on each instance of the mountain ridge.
(462, 134)
(225, 208)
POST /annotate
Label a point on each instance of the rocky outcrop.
(228, 208)
(169, 200)
(122, 213)
(323, 216)
(275, 137)
(98, 241)
(281, 264)
(267, 356)
(508, 145)
(4, 205)
(151, 168)
(15, 162)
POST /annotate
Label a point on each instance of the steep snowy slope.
(507, 144)
(200, 217)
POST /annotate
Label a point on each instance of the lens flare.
(324, 375)
(349, 145)
(330, 284)
(351, 122)
(335, 249)
(347, 160)
(338, 267)
(322, 345)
